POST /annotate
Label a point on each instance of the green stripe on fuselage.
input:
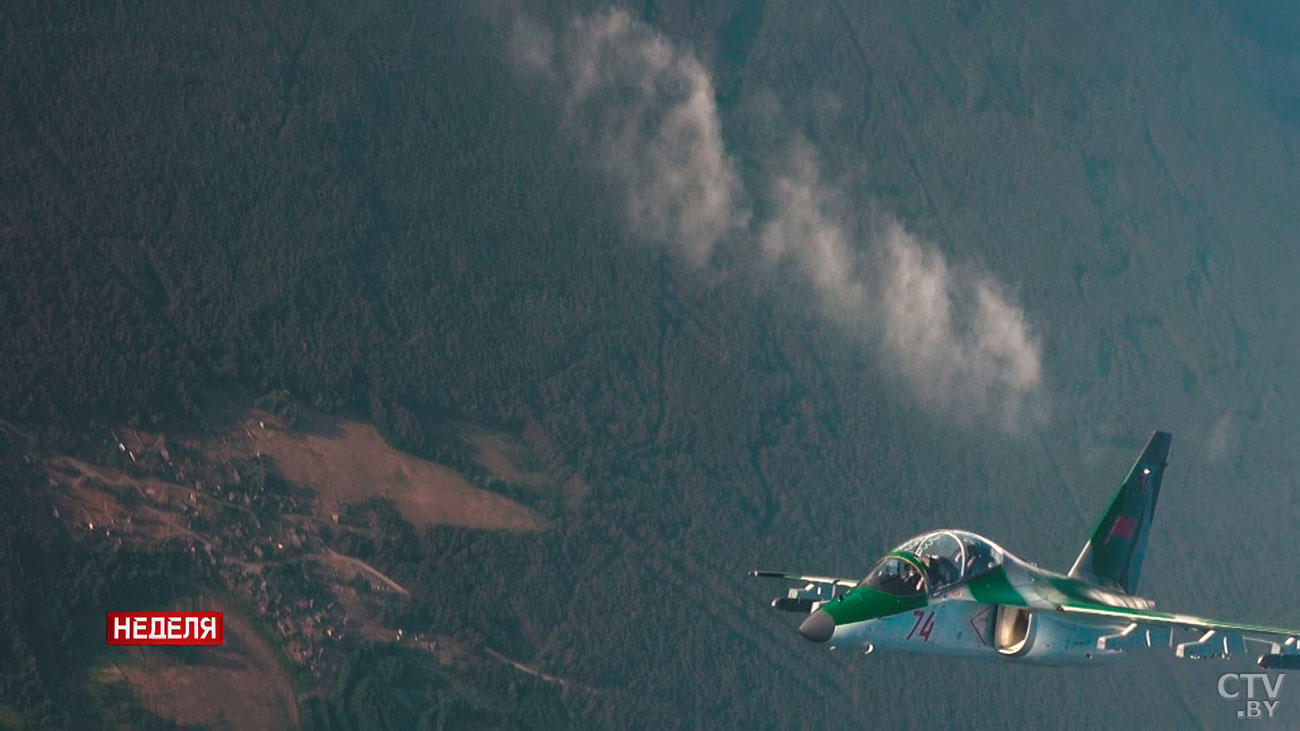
(865, 603)
(994, 588)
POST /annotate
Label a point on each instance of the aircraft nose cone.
(818, 627)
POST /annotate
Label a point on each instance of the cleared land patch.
(237, 685)
(348, 461)
(88, 498)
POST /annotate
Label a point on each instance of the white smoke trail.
(645, 107)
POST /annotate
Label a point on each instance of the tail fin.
(1113, 556)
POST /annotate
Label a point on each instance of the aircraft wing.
(816, 591)
(846, 583)
(1217, 639)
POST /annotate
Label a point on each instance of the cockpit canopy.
(933, 561)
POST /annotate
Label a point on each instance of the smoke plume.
(645, 107)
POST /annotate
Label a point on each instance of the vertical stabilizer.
(1113, 556)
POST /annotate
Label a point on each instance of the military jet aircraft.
(951, 592)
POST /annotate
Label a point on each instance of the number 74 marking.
(923, 626)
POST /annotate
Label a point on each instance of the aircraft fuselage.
(967, 629)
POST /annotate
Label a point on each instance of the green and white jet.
(951, 592)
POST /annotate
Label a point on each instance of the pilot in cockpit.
(896, 576)
(942, 570)
(978, 559)
(916, 580)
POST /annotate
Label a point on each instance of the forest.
(360, 209)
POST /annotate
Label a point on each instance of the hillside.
(671, 291)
